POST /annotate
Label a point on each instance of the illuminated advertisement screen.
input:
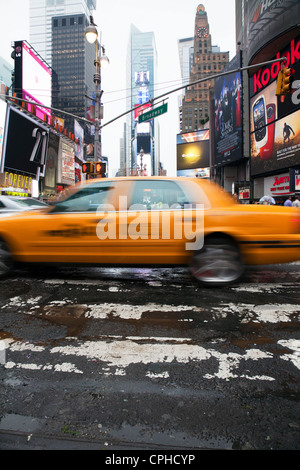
(143, 141)
(142, 77)
(143, 94)
(33, 77)
(193, 150)
(228, 115)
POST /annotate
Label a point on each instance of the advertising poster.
(51, 164)
(228, 115)
(66, 171)
(295, 180)
(79, 134)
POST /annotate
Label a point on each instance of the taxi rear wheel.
(218, 263)
(6, 261)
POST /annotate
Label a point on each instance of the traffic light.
(100, 167)
(284, 81)
(88, 167)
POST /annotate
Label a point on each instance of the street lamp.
(91, 35)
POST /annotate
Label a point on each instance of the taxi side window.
(86, 199)
(158, 195)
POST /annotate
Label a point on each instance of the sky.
(169, 20)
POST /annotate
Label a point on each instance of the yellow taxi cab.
(154, 221)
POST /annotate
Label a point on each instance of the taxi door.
(68, 231)
(151, 222)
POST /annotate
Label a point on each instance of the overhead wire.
(157, 87)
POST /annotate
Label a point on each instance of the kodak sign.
(266, 75)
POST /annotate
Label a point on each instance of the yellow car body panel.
(264, 234)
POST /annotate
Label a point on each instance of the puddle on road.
(139, 434)
(19, 423)
(71, 316)
(251, 340)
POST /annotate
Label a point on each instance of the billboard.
(66, 163)
(25, 145)
(264, 76)
(142, 77)
(228, 115)
(267, 19)
(79, 134)
(51, 165)
(143, 94)
(3, 107)
(33, 77)
(144, 141)
(275, 120)
(193, 150)
(140, 109)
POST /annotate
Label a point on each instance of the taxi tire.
(6, 261)
(218, 263)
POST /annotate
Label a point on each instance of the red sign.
(140, 109)
(265, 75)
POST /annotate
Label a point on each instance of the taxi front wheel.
(218, 263)
(6, 262)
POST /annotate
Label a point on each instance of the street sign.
(153, 113)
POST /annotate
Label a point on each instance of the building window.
(64, 22)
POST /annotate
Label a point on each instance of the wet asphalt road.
(124, 359)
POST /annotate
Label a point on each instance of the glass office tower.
(73, 67)
(141, 81)
(41, 13)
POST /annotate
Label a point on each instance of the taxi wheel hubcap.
(218, 263)
(5, 259)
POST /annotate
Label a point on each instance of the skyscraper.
(141, 82)
(207, 60)
(73, 67)
(41, 13)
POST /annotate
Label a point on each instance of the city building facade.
(142, 142)
(207, 60)
(41, 13)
